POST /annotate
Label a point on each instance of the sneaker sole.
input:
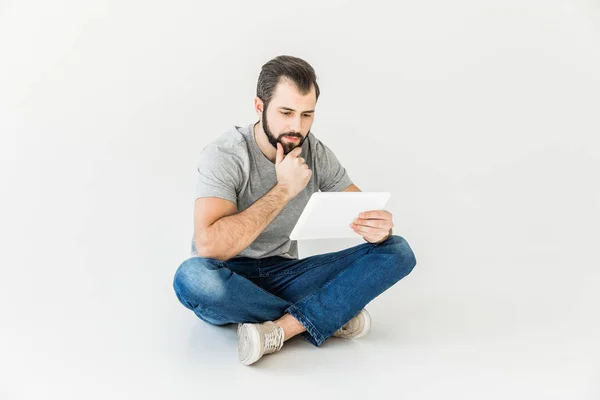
(367, 321)
(251, 338)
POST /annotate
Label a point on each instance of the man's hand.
(292, 171)
(374, 226)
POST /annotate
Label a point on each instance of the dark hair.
(296, 69)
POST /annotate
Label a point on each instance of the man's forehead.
(287, 95)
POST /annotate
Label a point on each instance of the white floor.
(122, 335)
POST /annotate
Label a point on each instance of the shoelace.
(273, 339)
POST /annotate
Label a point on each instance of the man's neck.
(263, 143)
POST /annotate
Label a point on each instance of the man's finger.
(370, 231)
(368, 236)
(374, 223)
(279, 155)
(375, 214)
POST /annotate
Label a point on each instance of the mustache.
(291, 134)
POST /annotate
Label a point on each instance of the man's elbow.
(207, 250)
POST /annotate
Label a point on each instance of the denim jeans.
(323, 291)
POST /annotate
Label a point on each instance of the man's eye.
(285, 113)
(307, 115)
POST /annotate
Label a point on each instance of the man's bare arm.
(351, 188)
(230, 235)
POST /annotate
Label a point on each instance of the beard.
(287, 146)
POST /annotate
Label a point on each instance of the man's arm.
(354, 188)
(229, 235)
(351, 188)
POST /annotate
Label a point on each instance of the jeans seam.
(319, 338)
(210, 312)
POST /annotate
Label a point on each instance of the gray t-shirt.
(233, 167)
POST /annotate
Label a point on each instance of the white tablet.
(329, 214)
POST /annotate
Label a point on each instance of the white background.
(480, 117)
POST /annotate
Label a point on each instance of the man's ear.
(258, 106)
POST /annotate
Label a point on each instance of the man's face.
(289, 115)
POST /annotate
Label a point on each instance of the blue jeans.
(323, 291)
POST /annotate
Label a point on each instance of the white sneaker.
(256, 340)
(358, 326)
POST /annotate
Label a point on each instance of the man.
(253, 183)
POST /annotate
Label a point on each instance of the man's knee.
(198, 282)
(403, 258)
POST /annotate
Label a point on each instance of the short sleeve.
(331, 174)
(219, 174)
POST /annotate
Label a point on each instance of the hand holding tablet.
(329, 214)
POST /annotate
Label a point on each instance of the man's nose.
(296, 125)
